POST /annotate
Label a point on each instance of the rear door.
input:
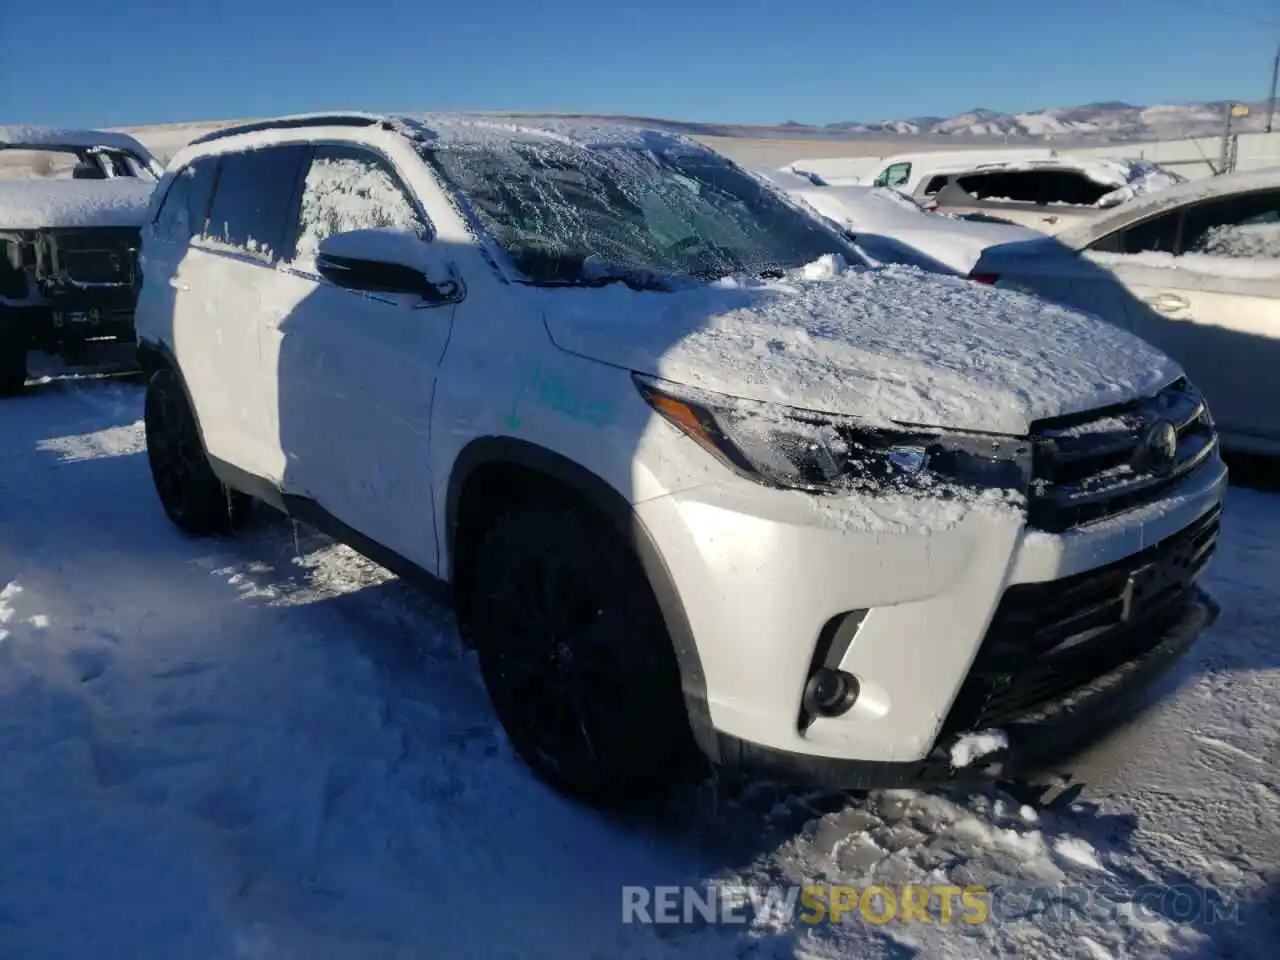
(222, 284)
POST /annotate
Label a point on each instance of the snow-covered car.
(1194, 270)
(695, 477)
(1049, 195)
(892, 228)
(71, 205)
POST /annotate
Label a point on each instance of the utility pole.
(1275, 75)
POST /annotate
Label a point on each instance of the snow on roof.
(32, 137)
(445, 128)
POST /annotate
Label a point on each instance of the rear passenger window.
(347, 188)
(253, 197)
(1157, 235)
(185, 206)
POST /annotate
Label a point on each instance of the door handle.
(1168, 303)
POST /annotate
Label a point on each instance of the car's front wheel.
(192, 496)
(576, 657)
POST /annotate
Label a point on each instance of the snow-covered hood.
(38, 204)
(892, 344)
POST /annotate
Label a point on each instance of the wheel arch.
(487, 460)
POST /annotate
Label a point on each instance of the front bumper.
(1061, 728)
(762, 573)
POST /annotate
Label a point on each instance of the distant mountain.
(1111, 120)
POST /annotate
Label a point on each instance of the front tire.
(576, 658)
(194, 499)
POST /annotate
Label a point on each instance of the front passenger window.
(351, 189)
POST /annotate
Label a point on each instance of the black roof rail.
(294, 122)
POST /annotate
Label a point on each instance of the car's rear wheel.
(576, 657)
(192, 496)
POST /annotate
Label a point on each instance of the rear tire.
(194, 499)
(576, 658)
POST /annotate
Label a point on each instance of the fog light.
(830, 693)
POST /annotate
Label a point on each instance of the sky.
(95, 63)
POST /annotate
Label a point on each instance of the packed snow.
(892, 228)
(974, 746)
(268, 747)
(1241, 240)
(33, 204)
(864, 340)
(1213, 265)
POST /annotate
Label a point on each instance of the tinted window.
(1159, 235)
(1242, 226)
(185, 206)
(347, 188)
(1035, 186)
(253, 197)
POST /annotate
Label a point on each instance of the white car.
(1195, 270)
(892, 228)
(693, 480)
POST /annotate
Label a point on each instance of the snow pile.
(37, 203)
(891, 345)
(974, 746)
(1241, 240)
(270, 747)
(1139, 180)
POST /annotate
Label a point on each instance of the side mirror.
(384, 260)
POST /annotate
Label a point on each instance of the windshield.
(569, 214)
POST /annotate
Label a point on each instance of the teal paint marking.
(551, 392)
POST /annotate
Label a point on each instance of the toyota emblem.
(1160, 447)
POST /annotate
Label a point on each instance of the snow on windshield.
(344, 194)
(1241, 240)
(566, 213)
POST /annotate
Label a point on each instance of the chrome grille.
(1087, 467)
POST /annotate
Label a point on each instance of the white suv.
(692, 477)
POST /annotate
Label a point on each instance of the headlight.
(803, 450)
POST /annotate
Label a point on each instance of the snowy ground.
(269, 748)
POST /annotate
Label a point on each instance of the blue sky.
(89, 62)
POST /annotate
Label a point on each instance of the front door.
(351, 374)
